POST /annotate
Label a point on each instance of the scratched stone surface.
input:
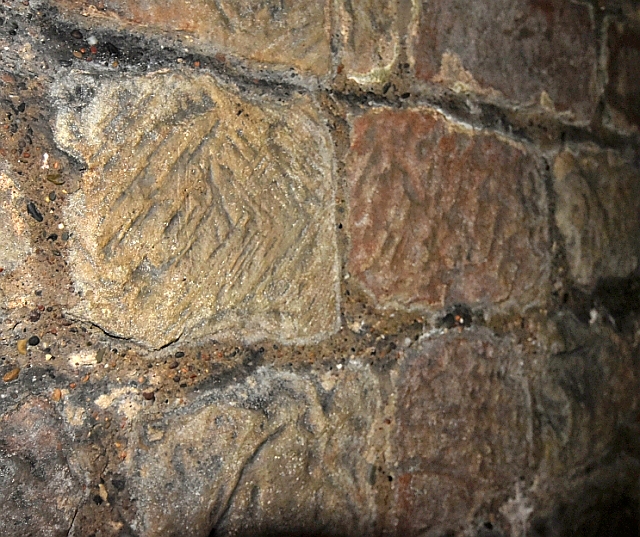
(464, 423)
(441, 214)
(276, 33)
(277, 452)
(370, 38)
(518, 49)
(597, 213)
(202, 211)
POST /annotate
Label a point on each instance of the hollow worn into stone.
(202, 211)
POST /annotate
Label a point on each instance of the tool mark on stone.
(208, 213)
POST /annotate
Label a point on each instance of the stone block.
(514, 49)
(39, 491)
(280, 34)
(623, 73)
(370, 38)
(465, 430)
(584, 395)
(597, 213)
(279, 453)
(203, 211)
(441, 214)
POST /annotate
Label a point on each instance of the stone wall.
(319, 268)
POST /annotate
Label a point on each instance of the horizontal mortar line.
(255, 79)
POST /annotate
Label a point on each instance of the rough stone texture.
(465, 423)
(585, 392)
(370, 38)
(15, 243)
(304, 450)
(440, 214)
(519, 49)
(38, 489)
(281, 34)
(623, 71)
(202, 212)
(597, 213)
(523, 424)
(14, 238)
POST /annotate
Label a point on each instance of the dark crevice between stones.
(140, 53)
(614, 301)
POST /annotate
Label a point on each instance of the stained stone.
(623, 73)
(465, 423)
(280, 34)
(38, 489)
(14, 238)
(277, 454)
(525, 51)
(441, 214)
(202, 211)
(370, 38)
(597, 213)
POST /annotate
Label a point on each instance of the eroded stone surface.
(465, 423)
(623, 71)
(202, 211)
(440, 214)
(598, 214)
(583, 395)
(276, 453)
(282, 34)
(370, 38)
(14, 239)
(38, 489)
(519, 49)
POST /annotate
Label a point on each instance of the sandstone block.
(623, 70)
(597, 213)
(203, 211)
(274, 454)
(517, 49)
(370, 38)
(465, 430)
(440, 214)
(282, 34)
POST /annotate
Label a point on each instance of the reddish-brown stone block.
(441, 214)
(465, 430)
(623, 88)
(519, 49)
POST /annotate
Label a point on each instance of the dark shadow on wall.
(598, 514)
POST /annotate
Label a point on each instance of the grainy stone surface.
(519, 49)
(623, 72)
(38, 488)
(202, 212)
(304, 450)
(523, 424)
(370, 38)
(14, 238)
(280, 34)
(597, 213)
(583, 395)
(465, 423)
(440, 214)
